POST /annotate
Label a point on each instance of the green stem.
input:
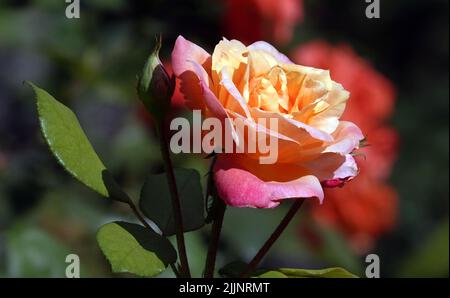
(176, 204)
(215, 236)
(274, 237)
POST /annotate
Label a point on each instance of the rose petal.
(240, 188)
(330, 166)
(185, 51)
(183, 54)
(297, 129)
(257, 132)
(236, 96)
(347, 136)
(216, 109)
(228, 53)
(264, 46)
(328, 119)
(347, 170)
(260, 62)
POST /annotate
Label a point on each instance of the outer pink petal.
(240, 188)
(185, 57)
(185, 51)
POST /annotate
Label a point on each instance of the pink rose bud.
(155, 87)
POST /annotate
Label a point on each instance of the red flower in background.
(253, 20)
(365, 208)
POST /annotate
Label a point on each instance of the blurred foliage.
(29, 255)
(91, 63)
(429, 258)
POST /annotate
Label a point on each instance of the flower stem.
(175, 270)
(176, 204)
(275, 235)
(138, 215)
(215, 236)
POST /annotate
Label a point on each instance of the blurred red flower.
(367, 207)
(271, 20)
(363, 210)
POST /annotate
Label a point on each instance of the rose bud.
(155, 87)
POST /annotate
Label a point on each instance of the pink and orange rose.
(257, 82)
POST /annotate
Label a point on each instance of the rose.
(256, 82)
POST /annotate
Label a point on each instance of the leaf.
(234, 269)
(335, 272)
(70, 146)
(272, 274)
(135, 249)
(156, 202)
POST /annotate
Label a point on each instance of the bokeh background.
(396, 68)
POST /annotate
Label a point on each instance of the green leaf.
(70, 146)
(135, 249)
(335, 272)
(271, 274)
(234, 269)
(156, 202)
